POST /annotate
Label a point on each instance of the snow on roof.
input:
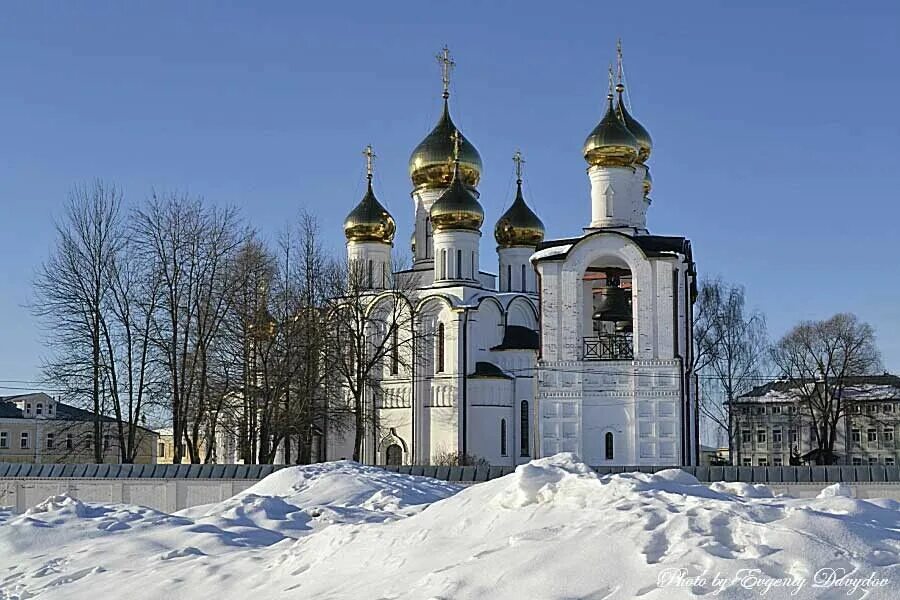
(858, 389)
(552, 251)
(552, 529)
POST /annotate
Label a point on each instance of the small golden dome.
(648, 181)
(610, 144)
(637, 130)
(431, 163)
(369, 221)
(519, 226)
(457, 208)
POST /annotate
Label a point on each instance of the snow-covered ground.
(551, 530)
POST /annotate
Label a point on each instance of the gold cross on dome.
(370, 155)
(517, 158)
(611, 85)
(619, 69)
(447, 65)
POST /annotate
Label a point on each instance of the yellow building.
(36, 428)
(165, 448)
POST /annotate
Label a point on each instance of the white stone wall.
(617, 197)
(456, 256)
(513, 264)
(379, 254)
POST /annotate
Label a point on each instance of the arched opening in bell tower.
(608, 315)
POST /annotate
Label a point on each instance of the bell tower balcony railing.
(608, 346)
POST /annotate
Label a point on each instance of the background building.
(36, 428)
(771, 424)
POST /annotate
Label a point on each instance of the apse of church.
(578, 344)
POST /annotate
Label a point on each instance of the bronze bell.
(613, 306)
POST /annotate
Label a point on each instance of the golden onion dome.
(648, 181)
(457, 208)
(519, 226)
(431, 163)
(369, 221)
(637, 130)
(610, 144)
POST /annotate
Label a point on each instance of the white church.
(577, 345)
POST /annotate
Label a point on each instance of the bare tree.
(732, 350)
(374, 333)
(72, 289)
(126, 330)
(819, 360)
(191, 247)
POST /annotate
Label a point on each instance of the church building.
(580, 344)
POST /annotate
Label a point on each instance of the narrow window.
(89, 442)
(4, 439)
(609, 445)
(384, 280)
(440, 349)
(23, 441)
(369, 274)
(502, 437)
(161, 450)
(443, 264)
(69, 442)
(427, 237)
(395, 352)
(50, 440)
(459, 270)
(28, 408)
(474, 272)
(508, 278)
(523, 427)
(523, 278)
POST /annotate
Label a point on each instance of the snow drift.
(552, 530)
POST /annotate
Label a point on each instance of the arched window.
(439, 363)
(393, 455)
(427, 237)
(474, 271)
(609, 445)
(384, 279)
(459, 271)
(523, 278)
(502, 437)
(443, 264)
(39, 409)
(508, 278)
(395, 352)
(523, 429)
(369, 274)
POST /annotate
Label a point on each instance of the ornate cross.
(517, 158)
(370, 160)
(619, 70)
(447, 65)
(611, 84)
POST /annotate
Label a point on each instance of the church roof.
(517, 337)
(486, 370)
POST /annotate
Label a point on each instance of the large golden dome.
(431, 163)
(610, 144)
(457, 208)
(519, 226)
(369, 221)
(637, 130)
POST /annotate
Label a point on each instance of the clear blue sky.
(776, 126)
